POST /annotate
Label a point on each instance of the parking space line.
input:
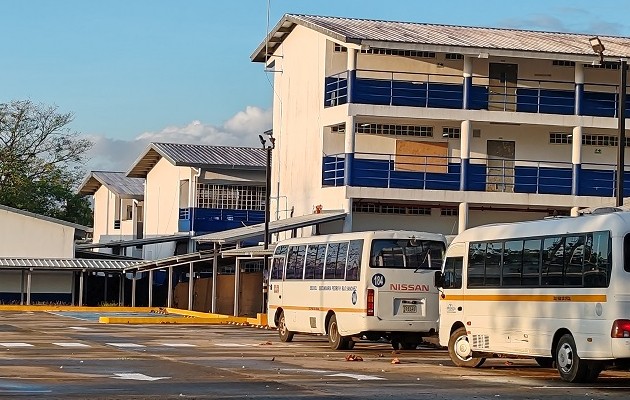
(138, 377)
(15, 344)
(178, 345)
(70, 344)
(126, 345)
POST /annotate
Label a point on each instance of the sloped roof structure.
(117, 182)
(200, 156)
(468, 40)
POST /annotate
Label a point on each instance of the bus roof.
(618, 223)
(389, 234)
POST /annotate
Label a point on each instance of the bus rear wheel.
(460, 351)
(336, 341)
(544, 362)
(285, 334)
(570, 366)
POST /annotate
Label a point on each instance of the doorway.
(503, 79)
(500, 166)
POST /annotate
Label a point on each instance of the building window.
(451, 133)
(396, 52)
(340, 49)
(341, 128)
(563, 63)
(396, 130)
(378, 208)
(604, 65)
(449, 212)
(231, 197)
(560, 138)
(454, 56)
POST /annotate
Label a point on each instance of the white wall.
(25, 236)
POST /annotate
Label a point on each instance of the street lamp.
(599, 48)
(268, 143)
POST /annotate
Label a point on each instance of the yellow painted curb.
(161, 321)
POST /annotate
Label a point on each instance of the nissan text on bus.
(556, 290)
(376, 284)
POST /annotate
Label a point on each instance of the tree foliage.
(41, 162)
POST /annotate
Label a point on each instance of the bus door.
(402, 274)
(452, 297)
(276, 274)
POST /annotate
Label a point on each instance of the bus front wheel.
(285, 334)
(337, 342)
(460, 351)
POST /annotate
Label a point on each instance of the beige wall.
(24, 236)
(161, 205)
(41, 282)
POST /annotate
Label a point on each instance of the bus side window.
(295, 262)
(453, 273)
(277, 268)
(353, 268)
(476, 264)
(597, 259)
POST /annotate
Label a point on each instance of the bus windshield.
(407, 254)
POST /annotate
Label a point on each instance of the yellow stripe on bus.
(575, 298)
(335, 309)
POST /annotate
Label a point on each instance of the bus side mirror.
(438, 279)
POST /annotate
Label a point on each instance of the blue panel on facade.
(478, 98)
(333, 171)
(183, 225)
(407, 180)
(445, 95)
(542, 180)
(596, 182)
(545, 101)
(477, 177)
(336, 91)
(208, 220)
(372, 91)
(599, 104)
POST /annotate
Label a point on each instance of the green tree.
(41, 162)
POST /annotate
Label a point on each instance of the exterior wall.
(104, 205)
(161, 206)
(298, 103)
(105, 215)
(45, 283)
(234, 176)
(24, 236)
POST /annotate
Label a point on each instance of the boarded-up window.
(421, 156)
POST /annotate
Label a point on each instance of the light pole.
(598, 47)
(268, 144)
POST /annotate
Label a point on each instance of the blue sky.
(132, 71)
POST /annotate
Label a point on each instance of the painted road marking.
(358, 377)
(126, 345)
(178, 345)
(15, 344)
(70, 344)
(139, 377)
(80, 328)
(235, 345)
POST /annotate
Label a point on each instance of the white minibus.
(375, 284)
(556, 290)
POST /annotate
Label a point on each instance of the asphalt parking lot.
(45, 355)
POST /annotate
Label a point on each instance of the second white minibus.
(556, 290)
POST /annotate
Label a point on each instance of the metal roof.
(199, 156)
(252, 251)
(77, 227)
(171, 261)
(117, 182)
(446, 38)
(134, 242)
(246, 232)
(70, 264)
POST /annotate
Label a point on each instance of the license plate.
(410, 309)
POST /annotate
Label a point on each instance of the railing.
(447, 91)
(215, 219)
(483, 174)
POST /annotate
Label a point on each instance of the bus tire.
(285, 334)
(460, 351)
(570, 366)
(544, 362)
(402, 345)
(336, 341)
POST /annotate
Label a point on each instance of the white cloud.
(241, 129)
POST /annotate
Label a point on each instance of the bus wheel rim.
(333, 332)
(283, 327)
(565, 357)
(462, 348)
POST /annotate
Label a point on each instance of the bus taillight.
(370, 302)
(620, 329)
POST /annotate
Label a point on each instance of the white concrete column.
(29, 278)
(575, 211)
(468, 71)
(215, 272)
(351, 65)
(105, 288)
(237, 285)
(151, 288)
(579, 87)
(347, 222)
(349, 149)
(191, 284)
(81, 279)
(169, 295)
(576, 160)
(463, 217)
(121, 289)
(133, 290)
(465, 136)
